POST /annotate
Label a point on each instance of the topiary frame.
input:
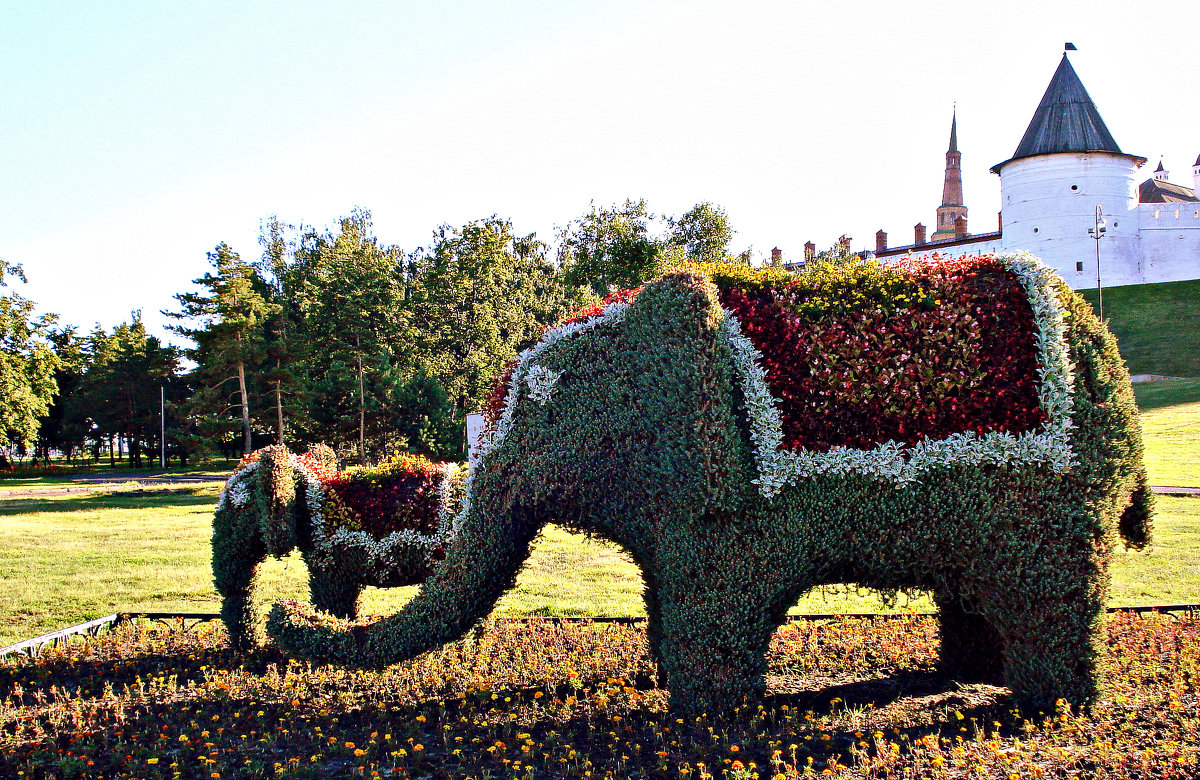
(652, 424)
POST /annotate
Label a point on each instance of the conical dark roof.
(954, 132)
(1065, 121)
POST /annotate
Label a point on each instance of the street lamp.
(1097, 233)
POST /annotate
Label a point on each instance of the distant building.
(1065, 166)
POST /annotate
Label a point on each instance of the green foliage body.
(644, 442)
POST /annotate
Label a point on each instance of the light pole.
(1097, 233)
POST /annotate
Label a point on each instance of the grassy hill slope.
(1157, 326)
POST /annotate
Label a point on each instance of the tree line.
(327, 335)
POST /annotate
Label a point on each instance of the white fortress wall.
(1170, 241)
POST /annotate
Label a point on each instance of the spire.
(952, 207)
(1065, 121)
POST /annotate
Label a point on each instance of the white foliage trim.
(237, 489)
(778, 468)
(540, 381)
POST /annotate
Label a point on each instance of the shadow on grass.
(149, 498)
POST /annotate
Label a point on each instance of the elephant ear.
(685, 373)
(277, 516)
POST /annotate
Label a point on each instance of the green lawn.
(1171, 431)
(1136, 315)
(70, 558)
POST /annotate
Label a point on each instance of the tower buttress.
(952, 207)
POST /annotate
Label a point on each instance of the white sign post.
(474, 434)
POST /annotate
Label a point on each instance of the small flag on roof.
(1069, 47)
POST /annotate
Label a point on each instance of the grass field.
(1171, 430)
(846, 698)
(1136, 315)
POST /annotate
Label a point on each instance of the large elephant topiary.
(383, 526)
(963, 426)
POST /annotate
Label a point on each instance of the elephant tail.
(1137, 521)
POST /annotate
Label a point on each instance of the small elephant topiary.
(383, 526)
(961, 426)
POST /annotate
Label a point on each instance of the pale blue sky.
(136, 136)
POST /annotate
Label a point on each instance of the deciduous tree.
(27, 362)
(611, 248)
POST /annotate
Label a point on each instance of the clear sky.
(138, 135)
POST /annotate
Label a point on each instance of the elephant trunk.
(481, 563)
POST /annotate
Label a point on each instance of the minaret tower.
(952, 207)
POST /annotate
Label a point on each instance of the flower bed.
(849, 699)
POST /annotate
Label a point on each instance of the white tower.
(1066, 165)
(1196, 177)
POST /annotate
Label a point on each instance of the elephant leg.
(1055, 645)
(334, 591)
(654, 626)
(713, 646)
(237, 551)
(971, 648)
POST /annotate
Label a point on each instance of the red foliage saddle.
(862, 354)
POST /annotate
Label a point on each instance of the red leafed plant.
(959, 355)
(392, 497)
